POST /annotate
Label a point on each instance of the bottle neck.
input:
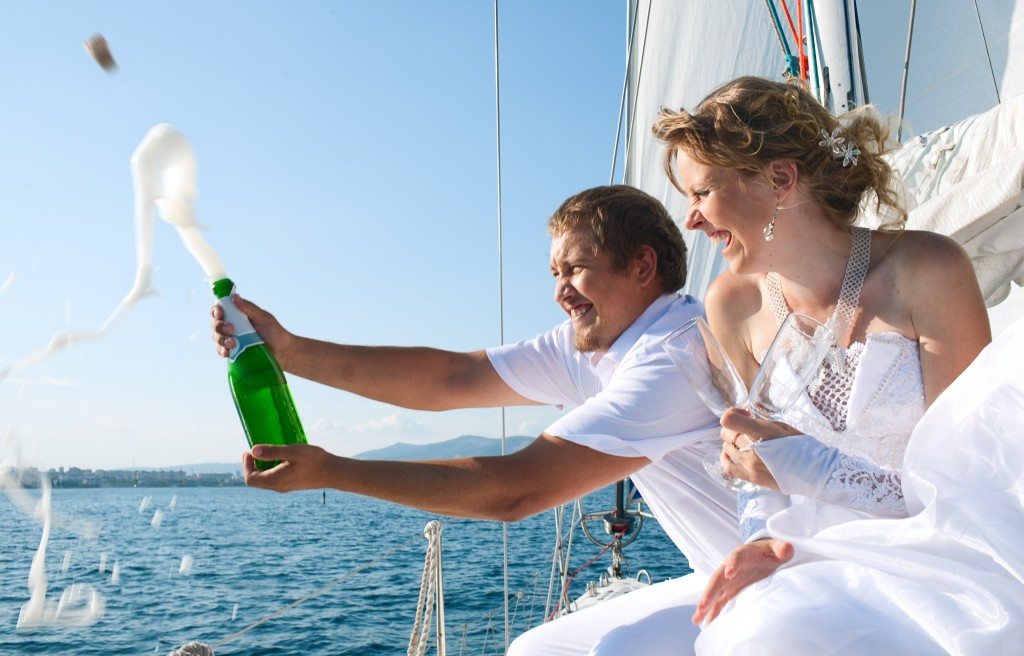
(223, 288)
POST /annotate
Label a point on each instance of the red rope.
(804, 73)
(792, 28)
(568, 580)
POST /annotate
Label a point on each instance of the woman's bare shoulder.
(934, 270)
(733, 296)
(922, 249)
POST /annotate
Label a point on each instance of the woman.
(779, 181)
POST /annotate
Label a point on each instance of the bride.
(874, 543)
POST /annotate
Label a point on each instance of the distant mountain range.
(460, 447)
(463, 446)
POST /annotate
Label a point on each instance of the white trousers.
(654, 621)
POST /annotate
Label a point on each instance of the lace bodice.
(858, 465)
(874, 419)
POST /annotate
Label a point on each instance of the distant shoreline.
(58, 486)
(229, 474)
(88, 479)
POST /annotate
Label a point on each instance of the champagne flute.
(789, 365)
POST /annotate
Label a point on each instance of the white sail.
(949, 74)
(1013, 73)
(679, 53)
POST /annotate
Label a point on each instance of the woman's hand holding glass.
(789, 365)
(740, 431)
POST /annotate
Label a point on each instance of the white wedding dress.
(944, 574)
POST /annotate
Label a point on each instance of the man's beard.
(586, 340)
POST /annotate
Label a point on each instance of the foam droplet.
(115, 573)
(146, 500)
(186, 565)
(234, 612)
(173, 503)
(6, 284)
(103, 562)
(158, 518)
(66, 563)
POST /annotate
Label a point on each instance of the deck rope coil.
(419, 640)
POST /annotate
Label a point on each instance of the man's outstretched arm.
(546, 473)
(410, 377)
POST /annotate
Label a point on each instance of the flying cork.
(98, 49)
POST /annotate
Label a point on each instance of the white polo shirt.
(634, 402)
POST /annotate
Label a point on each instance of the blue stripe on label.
(244, 342)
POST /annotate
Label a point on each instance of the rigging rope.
(814, 45)
(777, 24)
(801, 46)
(560, 555)
(622, 98)
(574, 520)
(906, 71)
(555, 557)
(568, 580)
(789, 19)
(501, 294)
(636, 92)
(991, 68)
(792, 63)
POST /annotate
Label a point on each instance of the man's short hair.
(619, 220)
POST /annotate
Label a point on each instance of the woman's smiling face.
(731, 208)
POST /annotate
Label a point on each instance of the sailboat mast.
(836, 64)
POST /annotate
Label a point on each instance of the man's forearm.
(411, 377)
(475, 488)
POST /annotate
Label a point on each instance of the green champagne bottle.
(258, 387)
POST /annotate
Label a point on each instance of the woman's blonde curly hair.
(751, 121)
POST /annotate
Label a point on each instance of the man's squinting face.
(601, 301)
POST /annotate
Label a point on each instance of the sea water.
(249, 552)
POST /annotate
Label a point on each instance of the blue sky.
(347, 178)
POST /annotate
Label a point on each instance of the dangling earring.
(769, 230)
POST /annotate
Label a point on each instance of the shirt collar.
(630, 335)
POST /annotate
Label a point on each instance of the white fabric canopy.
(967, 181)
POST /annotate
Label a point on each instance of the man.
(617, 259)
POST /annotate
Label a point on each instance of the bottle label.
(245, 334)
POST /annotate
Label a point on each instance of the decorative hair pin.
(847, 151)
